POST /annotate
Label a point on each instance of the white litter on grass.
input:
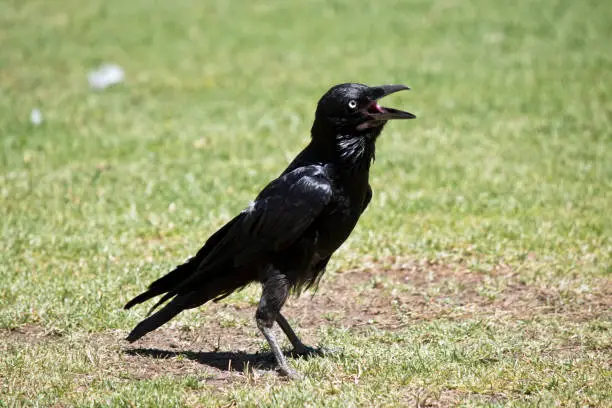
(36, 117)
(106, 75)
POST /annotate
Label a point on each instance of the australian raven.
(285, 238)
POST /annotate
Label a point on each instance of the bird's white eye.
(352, 104)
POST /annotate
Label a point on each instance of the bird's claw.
(307, 351)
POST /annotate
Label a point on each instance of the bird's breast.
(337, 223)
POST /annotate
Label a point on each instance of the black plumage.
(286, 236)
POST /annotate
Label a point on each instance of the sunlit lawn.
(508, 166)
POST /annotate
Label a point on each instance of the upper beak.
(378, 112)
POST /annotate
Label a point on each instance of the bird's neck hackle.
(352, 150)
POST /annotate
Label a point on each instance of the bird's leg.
(273, 296)
(299, 348)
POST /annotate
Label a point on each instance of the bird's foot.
(289, 372)
(303, 350)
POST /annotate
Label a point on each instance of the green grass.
(509, 163)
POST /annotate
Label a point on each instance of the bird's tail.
(173, 279)
(151, 323)
(166, 283)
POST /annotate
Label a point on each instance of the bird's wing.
(277, 218)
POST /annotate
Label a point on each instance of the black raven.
(285, 238)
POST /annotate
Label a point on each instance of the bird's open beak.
(380, 113)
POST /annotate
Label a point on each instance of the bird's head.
(353, 109)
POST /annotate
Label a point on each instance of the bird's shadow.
(225, 361)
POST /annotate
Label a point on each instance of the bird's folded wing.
(279, 216)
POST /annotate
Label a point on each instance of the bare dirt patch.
(406, 291)
(160, 354)
(30, 333)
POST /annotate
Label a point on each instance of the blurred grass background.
(510, 160)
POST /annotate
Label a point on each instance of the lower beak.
(390, 113)
(383, 113)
